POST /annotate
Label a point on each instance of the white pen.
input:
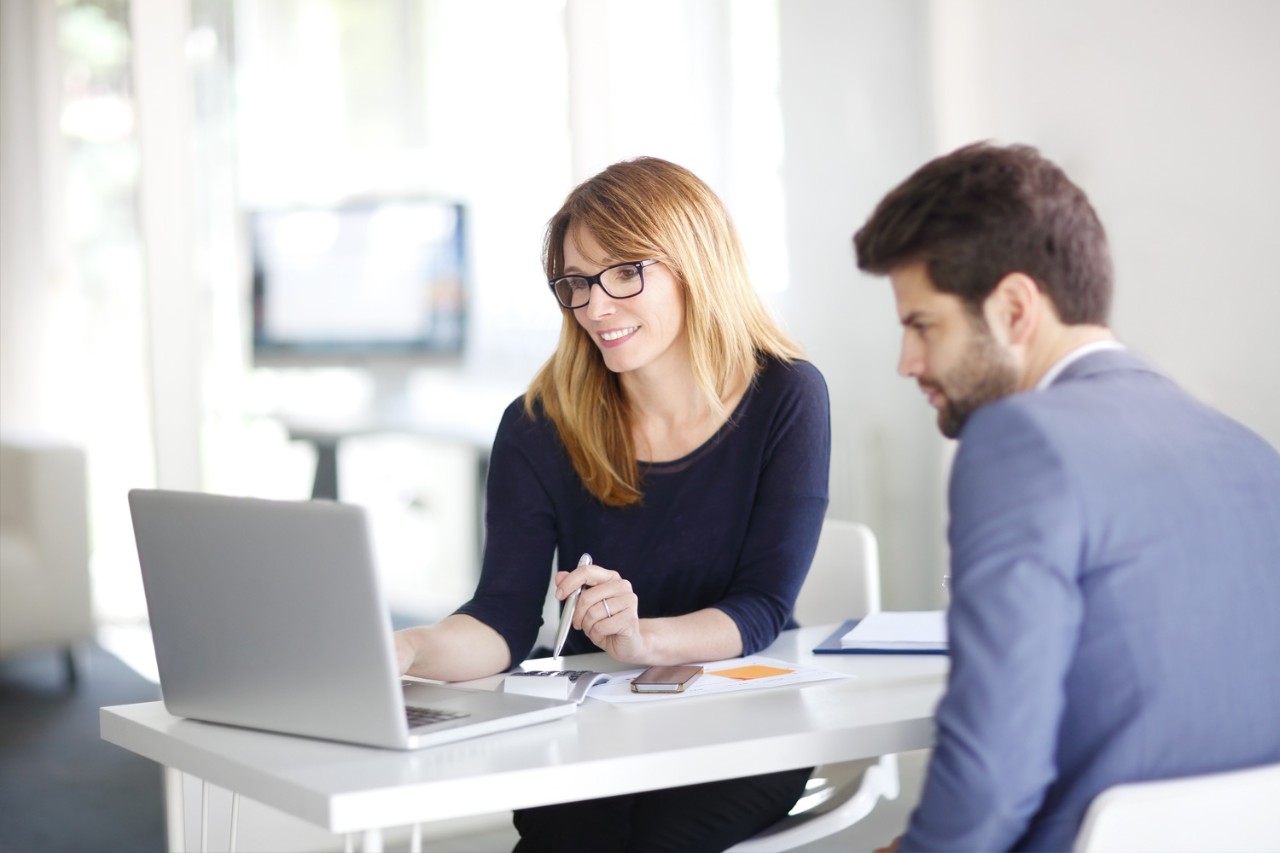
(566, 615)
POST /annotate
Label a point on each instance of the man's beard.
(984, 374)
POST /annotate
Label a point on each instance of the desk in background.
(450, 410)
(603, 750)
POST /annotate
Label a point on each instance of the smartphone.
(665, 679)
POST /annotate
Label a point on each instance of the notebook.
(267, 614)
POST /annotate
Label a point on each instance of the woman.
(677, 437)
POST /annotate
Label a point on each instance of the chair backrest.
(1237, 810)
(844, 579)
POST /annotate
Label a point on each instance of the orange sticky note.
(744, 673)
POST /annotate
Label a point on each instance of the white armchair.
(44, 548)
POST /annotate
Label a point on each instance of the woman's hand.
(608, 612)
(406, 653)
(458, 648)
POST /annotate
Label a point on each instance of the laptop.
(267, 614)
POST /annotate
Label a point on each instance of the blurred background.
(291, 247)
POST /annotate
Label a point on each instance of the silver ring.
(607, 611)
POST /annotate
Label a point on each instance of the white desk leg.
(204, 816)
(175, 825)
(235, 817)
(372, 841)
(415, 840)
(349, 844)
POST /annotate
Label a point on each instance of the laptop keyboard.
(419, 717)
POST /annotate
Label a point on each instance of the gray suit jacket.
(1115, 602)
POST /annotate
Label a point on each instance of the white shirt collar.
(1073, 356)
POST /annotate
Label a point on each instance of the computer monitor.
(374, 283)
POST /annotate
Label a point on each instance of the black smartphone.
(665, 679)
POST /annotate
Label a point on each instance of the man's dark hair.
(983, 211)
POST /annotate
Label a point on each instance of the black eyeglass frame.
(593, 280)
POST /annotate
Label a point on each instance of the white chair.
(844, 579)
(1237, 810)
(44, 548)
(843, 582)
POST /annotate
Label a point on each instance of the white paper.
(899, 629)
(618, 688)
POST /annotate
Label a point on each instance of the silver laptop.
(267, 614)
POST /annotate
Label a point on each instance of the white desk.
(600, 751)
(443, 407)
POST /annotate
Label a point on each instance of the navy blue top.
(733, 525)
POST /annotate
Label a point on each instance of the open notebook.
(268, 614)
(922, 632)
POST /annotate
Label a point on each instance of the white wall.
(1166, 113)
(855, 101)
(30, 277)
(1163, 111)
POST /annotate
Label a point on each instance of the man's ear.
(1014, 309)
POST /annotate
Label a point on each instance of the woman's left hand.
(608, 611)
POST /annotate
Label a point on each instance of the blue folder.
(831, 645)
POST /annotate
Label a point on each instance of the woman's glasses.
(620, 281)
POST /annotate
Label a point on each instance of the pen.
(566, 615)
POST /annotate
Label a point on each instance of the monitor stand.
(389, 407)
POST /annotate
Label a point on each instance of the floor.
(62, 788)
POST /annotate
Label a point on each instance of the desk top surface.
(887, 706)
(448, 408)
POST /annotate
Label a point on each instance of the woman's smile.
(617, 336)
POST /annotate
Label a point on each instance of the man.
(1115, 545)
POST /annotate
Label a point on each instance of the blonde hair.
(636, 210)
